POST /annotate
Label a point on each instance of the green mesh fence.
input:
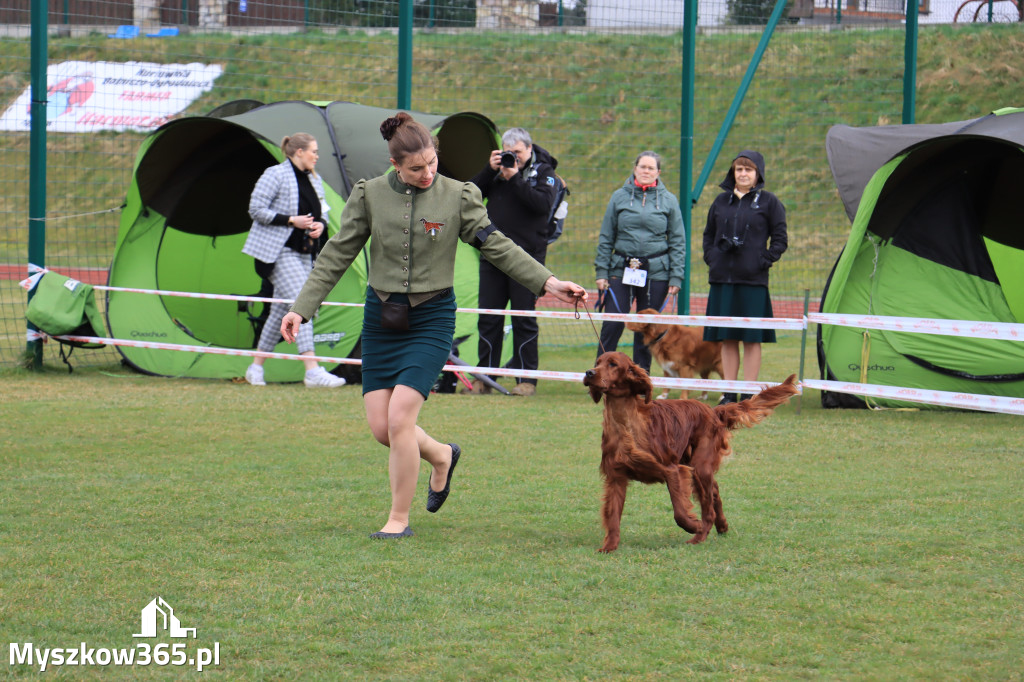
(594, 82)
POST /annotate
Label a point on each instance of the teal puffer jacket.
(642, 224)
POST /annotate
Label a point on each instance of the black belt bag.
(643, 261)
(394, 316)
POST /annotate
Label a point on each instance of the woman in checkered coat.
(289, 212)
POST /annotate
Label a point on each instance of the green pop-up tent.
(186, 218)
(937, 233)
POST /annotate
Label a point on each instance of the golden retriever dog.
(677, 442)
(680, 351)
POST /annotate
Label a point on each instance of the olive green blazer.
(413, 235)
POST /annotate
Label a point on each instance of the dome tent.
(186, 218)
(935, 235)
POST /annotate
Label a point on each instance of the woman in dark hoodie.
(744, 235)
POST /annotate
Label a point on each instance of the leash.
(576, 309)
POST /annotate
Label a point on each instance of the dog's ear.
(639, 382)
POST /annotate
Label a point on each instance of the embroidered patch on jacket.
(433, 229)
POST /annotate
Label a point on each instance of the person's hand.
(495, 159)
(673, 290)
(303, 222)
(509, 173)
(316, 230)
(290, 326)
(567, 292)
(602, 284)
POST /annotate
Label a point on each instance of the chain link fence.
(594, 81)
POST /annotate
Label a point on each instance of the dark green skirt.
(739, 300)
(411, 358)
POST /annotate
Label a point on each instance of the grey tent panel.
(854, 154)
(280, 119)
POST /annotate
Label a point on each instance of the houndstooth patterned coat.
(277, 191)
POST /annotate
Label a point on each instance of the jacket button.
(405, 245)
(406, 217)
(405, 257)
(405, 284)
(405, 269)
(405, 231)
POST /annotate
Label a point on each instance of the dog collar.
(659, 337)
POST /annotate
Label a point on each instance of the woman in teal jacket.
(640, 251)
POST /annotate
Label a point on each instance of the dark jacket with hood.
(641, 223)
(744, 235)
(520, 207)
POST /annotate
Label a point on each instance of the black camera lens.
(508, 159)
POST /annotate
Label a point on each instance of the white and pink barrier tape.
(967, 401)
(976, 329)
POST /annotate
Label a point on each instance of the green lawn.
(863, 545)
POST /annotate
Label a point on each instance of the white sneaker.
(320, 377)
(254, 375)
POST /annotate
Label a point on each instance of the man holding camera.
(519, 185)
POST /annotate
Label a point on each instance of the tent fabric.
(935, 235)
(186, 218)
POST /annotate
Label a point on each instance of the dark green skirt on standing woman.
(739, 300)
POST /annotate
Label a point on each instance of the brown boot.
(479, 388)
(524, 389)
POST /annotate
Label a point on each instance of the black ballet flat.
(381, 535)
(436, 498)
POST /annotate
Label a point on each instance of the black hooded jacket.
(744, 236)
(520, 207)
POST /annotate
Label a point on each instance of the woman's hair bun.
(390, 125)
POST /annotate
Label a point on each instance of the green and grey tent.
(937, 233)
(186, 218)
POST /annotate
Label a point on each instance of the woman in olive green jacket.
(415, 218)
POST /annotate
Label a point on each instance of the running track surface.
(783, 308)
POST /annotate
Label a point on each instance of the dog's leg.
(611, 514)
(720, 523)
(680, 489)
(704, 483)
(668, 369)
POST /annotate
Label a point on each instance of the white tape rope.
(969, 401)
(990, 330)
(659, 382)
(924, 325)
(690, 320)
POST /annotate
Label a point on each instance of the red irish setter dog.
(677, 442)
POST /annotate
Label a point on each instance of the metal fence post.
(910, 64)
(405, 54)
(37, 158)
(686, 144)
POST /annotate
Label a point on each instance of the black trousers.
(619, 299)
(496, 290)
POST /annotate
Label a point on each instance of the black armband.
(481, 236)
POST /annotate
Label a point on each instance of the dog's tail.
(752, 410)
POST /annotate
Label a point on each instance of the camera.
(729, 244)
(509, 159)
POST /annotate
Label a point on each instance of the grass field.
(863, 545)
